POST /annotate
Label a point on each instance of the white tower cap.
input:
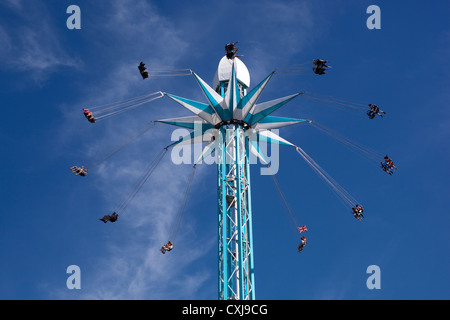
(223, 72)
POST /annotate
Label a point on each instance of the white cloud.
(31, 45)
(40, 51)
(140, 271)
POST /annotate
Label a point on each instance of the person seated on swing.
(231, 50)
(303, 241)
(321, 63)
(319, 66)
(143, 70)
(357, 212)
(82, 172)
(111, 218)
(388, 165)
(79, 171)
(389, 161)
(88, 114)
(167, 247)
(374, 110)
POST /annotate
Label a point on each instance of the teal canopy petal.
(262, 110)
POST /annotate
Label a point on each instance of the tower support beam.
(236, 266)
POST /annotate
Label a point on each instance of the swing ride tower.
(235, 238)
(233, 124)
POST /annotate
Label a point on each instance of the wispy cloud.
(140, 271)
(31, 44)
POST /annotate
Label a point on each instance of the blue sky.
(49, 217)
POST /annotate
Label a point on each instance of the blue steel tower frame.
(235, 245)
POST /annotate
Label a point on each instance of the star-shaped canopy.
(255, 118)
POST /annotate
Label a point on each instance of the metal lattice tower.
(236, 265)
